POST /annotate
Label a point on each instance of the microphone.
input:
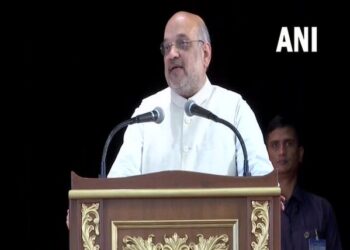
(157, 116)
(191, 109)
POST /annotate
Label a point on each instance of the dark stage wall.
(87, 67)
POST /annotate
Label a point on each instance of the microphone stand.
(156, 116)
(191, 108)
(246, 171)
(108, 141)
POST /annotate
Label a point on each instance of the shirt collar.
(298, 193)
(199, 98)
(296, 198)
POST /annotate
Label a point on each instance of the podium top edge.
(174, 179)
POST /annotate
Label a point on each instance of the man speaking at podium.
(181, 142)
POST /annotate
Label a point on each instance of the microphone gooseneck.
(157, 116)
(191, 109)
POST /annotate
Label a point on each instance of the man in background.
(308, 220)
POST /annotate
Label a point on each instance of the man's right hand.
(283, 200)
(67, 219)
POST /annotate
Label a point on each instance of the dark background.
(87, 67)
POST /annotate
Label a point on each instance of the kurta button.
(306, 235)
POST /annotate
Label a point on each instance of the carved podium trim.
(172, 192)
(135, 242)
(176, 243)
(260, 225)
(90, 221)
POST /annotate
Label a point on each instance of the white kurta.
(193, 143)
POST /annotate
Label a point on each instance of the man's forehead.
(280, 134)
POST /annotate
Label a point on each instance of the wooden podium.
(175, 210)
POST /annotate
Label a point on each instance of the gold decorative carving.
(90, 221)
(176, 243)
(260, 225)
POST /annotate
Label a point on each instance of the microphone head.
(188, 107)
(159, 115)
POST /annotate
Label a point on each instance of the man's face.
(284, 151)
(186, 57)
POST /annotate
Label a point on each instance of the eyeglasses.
(180, 44)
